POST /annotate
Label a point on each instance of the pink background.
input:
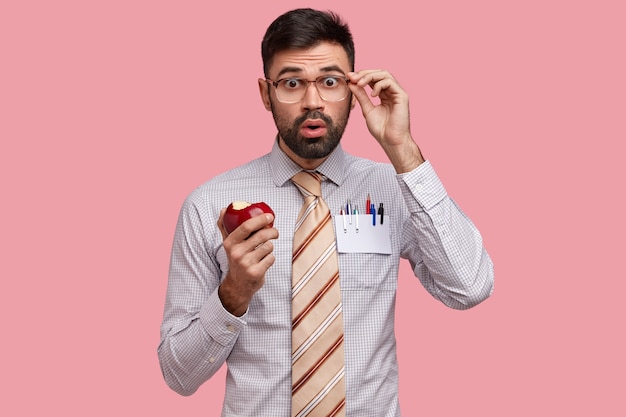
(111, 112)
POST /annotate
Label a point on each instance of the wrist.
(404, 157)
(231, 299)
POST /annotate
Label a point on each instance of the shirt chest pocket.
(368, 271)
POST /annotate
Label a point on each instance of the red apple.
(238, 212)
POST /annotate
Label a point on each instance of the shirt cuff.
(424, 186)
(218, 323)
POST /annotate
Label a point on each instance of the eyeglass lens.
(292, 90)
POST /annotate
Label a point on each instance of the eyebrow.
(329, 68)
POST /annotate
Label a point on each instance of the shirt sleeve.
(443, 245)
(197, 333)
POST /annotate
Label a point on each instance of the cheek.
(341, 112)
(281, 114)
(281, 122)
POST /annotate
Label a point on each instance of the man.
(229, 297)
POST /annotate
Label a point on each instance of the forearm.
(404, 156)
(455, 268)
(197, 333)
(192, 350)
(450, 259)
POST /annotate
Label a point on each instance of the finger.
(369, 77)
(261, 251)
(267, 262)
(220, 223)
(252, 225)
(245, 256)
(256, 262)
(362, 97)
(379, 86)
(248, 252)
(362, 77)
(378, 80)
(260, 237)
(263, 258)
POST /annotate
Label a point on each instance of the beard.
(312, 148)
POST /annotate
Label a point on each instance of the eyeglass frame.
(275, 84)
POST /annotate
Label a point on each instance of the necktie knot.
(309, 183)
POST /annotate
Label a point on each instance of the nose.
(312, 99)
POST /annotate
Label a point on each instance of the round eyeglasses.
(293, 90)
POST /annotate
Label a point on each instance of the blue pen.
(373, 211)
(356, 217)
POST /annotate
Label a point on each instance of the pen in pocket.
(373, 211)
(349, 211)
(343, 218)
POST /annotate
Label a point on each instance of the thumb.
(362, 97)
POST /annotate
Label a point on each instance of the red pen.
(367, 204)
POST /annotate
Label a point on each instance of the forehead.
(311, 61)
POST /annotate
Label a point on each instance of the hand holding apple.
(249, 257)
(238, 212)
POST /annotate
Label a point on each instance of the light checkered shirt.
(198, 335)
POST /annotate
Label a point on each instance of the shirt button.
(230, 328)
(211, 360)
(419, 187)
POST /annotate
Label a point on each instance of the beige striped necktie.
(318, 388)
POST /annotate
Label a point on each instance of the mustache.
(315, 114)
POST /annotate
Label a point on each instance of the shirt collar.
(283, 167)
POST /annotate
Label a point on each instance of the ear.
(353, 103)
(264, 90)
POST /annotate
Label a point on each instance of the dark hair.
(305, 28)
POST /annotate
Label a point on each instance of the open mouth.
(313, 124)
(313, 129)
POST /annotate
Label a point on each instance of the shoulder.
(222, 188)
(355, 165)
(236, 177)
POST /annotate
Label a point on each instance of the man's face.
(309, 130)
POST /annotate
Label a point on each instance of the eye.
(292, 83)
(329, 82)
